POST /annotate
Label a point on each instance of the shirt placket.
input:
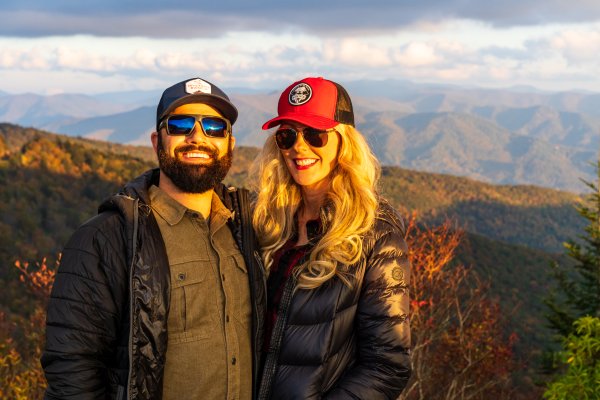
(231, 337)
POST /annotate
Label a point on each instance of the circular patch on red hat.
(300, 94)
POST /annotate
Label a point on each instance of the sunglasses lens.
(180, 124)
(214, 127)
(315, 137)
(285, 138)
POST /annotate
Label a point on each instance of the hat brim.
(227, 109)
(314, 121)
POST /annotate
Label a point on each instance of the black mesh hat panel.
(343, 112)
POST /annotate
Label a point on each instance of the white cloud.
(578, 46)
(144, 58)
(77, 59)
(417, 54)
(32, 59)
(355, 53)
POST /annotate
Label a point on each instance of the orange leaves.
(459, 347)
(430, 249)
(21, 377)
(21, 338)
(38, 281)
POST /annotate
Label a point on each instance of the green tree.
(581, 356)
(578, 287)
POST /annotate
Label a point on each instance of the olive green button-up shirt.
(209, 353)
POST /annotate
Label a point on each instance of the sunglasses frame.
(312, 131)
(197, 119)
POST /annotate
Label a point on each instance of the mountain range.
(508, 136)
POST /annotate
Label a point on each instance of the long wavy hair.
(352, 197)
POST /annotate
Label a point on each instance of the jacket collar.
(138, 189)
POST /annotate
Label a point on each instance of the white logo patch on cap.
(300, 94)
(197, 85)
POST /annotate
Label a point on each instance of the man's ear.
(154, 139)
(232, 142)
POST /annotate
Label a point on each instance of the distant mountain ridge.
(498, 136)
(467, 145)
(47, 111)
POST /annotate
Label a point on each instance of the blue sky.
(60, 46)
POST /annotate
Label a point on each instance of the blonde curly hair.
(352, 196)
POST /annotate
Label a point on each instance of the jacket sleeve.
(83, 314)
(382, 367)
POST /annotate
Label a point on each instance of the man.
(162, 294)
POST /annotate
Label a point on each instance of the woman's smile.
(305, 163)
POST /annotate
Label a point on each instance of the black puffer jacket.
(106, 332)
(336, 342)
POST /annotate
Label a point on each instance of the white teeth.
(197, 155)
(305, 161)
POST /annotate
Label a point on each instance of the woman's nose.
(300, 142)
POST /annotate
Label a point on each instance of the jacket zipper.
(131, 301)
(270, 367)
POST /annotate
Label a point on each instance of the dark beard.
(191, 178)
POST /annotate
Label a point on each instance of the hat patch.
(300, 94)
(197, 85)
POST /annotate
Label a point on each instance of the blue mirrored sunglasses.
(183, 125)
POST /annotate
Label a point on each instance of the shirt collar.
(172, 211)
(219, 214)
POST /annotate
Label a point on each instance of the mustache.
(184, 148)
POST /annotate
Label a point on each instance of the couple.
(164, 295)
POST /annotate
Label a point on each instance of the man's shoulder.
(234, 197)
(104, 220)
(105, 226)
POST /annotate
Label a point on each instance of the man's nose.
(197, 135)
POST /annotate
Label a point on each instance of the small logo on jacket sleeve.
(398, 274)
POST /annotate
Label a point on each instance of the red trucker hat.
(315, 102)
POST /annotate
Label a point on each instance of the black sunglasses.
(183, 125)
(286, 137)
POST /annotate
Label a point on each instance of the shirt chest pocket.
(193, 309)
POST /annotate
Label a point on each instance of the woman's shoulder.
(388, 219)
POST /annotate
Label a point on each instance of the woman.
(337, 290)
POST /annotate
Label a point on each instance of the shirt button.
(181, 276)
(233, 360)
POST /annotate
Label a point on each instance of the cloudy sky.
(73, 46)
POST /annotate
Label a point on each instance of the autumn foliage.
(460, 349)
(21, 340)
